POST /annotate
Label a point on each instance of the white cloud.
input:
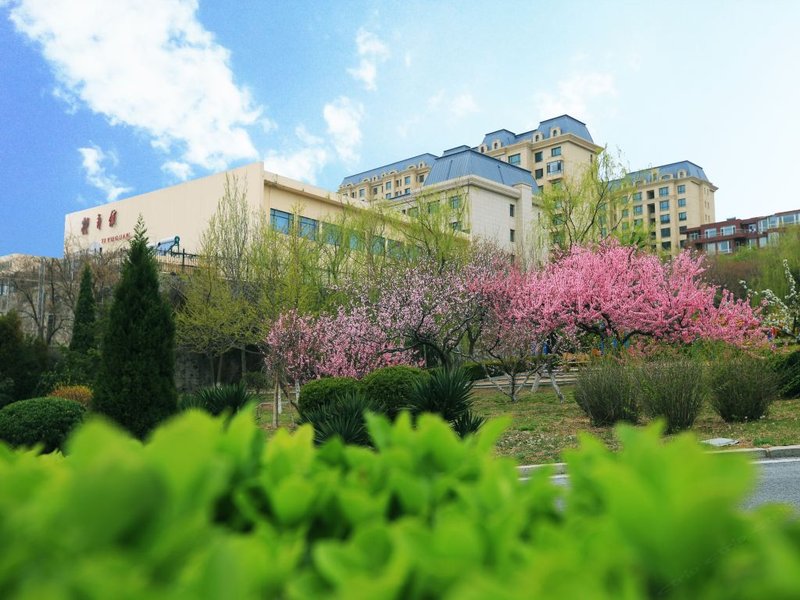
(304, 164)
(371, 51)
(93, 159)
(150, 65)
(343, 117)
(574, 95)
(179, 170)
(307, 137)
(463, 105)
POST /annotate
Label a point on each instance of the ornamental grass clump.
(672, 387)
(742, 387)
(447, 393)
(606, 391)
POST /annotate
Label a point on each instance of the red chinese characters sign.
(86, 222)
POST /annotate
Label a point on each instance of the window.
(388, 195)
(332, 234)
(626, 226)
(361, 193)
(554, 167)
(664, 218)
(665, 231)
(637, 210)
(666, 245)
(510, 210)
(513, 159)
(308, 228)
(651, 194)
(407, 180)
(433, 207)
(682, 188)
(511, 235)
(455, 203)
(374, 191)
(378, 245)
(625, 213)
(539, 173)
(681, 216)
(537, 157)
(724, 247)
(729, 230)
(663, 205)
(681, 202)
(663, 191)
(555, 151)
(709, 233)
(413, 212)
(420, 178)
(637, 197)
(637, 222)
(389, 185)
(682, 229)
(281, 221)
(407, 191)
(456, 225)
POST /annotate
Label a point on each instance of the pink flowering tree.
(620, 293)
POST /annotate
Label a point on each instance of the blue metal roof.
(689, 168)
(463, 163)
(565, 124)
(400, 165)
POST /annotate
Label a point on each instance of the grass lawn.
(541, 427)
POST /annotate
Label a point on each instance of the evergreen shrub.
(211, 510)
(606, 391)
(79, 393)
(672, 387)
(343, 417)
(216, 400)
(787, 367)
(742, 387)
(45, 421)
(447, 393)
(319, 392)
(393, 386)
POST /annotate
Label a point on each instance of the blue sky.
(103, 100)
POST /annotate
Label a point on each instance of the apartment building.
(726, 237)
(667, 201)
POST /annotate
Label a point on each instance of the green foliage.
(343, 417)
(83, 329)
(607, 393)
(478, 370)
(424, 515)
(136, 385)
(45, 421)
(672, 386)
(216, 400)
(22, 360)
(447, 393)
(742, 387)
(319, 392)
(787, 367)
(393, 386)
(256, 380)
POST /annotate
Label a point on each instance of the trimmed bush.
(672, 387)
(787, 367)
(343, 417)
(319, 392)
(742, 388)
(79, 393)
(256, 380)
(216, 400)
(607, 393)
(45, 421)
(393, 386)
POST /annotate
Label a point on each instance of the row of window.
(388, 186)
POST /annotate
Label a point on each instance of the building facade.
(726, 237)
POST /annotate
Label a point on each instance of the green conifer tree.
(83, 330)
(136, 386)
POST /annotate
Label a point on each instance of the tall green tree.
(136, 386)
(22, 360)
(83, 329)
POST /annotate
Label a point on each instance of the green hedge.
(393, 387)
(45, 421)
(424, 516)
(319, 392)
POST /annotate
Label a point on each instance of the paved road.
(778, 481)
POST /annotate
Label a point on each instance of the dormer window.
(681, 174)
(554, 132)
(483, 148)
(537, 137)
(495, 145)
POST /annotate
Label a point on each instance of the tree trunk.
(276, 402)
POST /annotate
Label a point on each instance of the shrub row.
(206, 510)
(674, 387)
